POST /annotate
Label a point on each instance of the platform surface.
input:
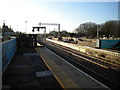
(28, 71)
(68, 75)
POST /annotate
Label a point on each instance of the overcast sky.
(68, 14)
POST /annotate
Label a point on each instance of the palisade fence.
(8, 50)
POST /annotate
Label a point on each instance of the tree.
(110, 28)
(118, 29)
(79, 34)
(91, 31)
(53, 33)
(6, 28)
(86, 29)
(64, 33)
(72, 35)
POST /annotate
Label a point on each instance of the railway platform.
(35, 66)
(27, 71)
(66, 74)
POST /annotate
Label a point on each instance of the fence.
(108, 43)
(8, 50)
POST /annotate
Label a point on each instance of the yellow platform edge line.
(61, 84)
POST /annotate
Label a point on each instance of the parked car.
(66, 40)
(80, 39)
(49, 37)
(70, 41)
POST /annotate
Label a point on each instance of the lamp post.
(26, 27)
(58, 31)
(97, 31)
(54, 33)
(3, 21)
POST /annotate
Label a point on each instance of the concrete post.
(45, 33)
(58, 31)
(97, 32)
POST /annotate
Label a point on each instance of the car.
(66, 40)
(80, 39)
(70, 41)
(49, 37)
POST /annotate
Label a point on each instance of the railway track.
(96, 60)
(79, 60)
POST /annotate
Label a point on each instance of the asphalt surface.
(28, 71)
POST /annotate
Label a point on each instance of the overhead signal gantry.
(55, 24)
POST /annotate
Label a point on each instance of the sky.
(69, 14)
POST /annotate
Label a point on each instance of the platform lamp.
(26, 27)
(98, 27)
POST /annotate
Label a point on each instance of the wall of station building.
(8, 49)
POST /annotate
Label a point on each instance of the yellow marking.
(54, 74)
(61, 84)
(63, 79)
(39, 44)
